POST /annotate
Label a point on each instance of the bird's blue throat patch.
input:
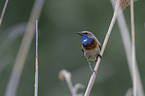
(86, 41)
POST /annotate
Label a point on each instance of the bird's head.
(86, 34)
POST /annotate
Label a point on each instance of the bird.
(91, 47)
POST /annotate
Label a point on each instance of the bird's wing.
(100, 46)
(82, 50)
(98, 43)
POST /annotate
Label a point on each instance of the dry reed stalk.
(133, 47)
(127, 45)
(24, 48)
(36, 63)
(116, 11)
(93, 77)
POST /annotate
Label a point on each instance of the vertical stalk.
(24, 49)
(133, 47)
(36, 63)
(128, 50)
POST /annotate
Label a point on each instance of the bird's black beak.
(79, 33)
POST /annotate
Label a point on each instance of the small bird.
(90, 47)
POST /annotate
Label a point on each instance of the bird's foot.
(99, 56)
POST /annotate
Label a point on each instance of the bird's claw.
(99, 56)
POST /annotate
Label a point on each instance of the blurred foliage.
(60, 46)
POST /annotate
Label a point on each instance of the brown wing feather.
(100, 46)
(98, 43)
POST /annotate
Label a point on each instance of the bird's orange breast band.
(93, 46)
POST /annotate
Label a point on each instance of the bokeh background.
(60, 46)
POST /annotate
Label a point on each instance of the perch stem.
(93, 77)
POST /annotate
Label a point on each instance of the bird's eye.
(86, 33)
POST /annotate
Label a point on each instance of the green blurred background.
(60, 46)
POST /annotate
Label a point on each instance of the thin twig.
(93, 77)
(64, 74)
(36, 63)
(133, 47)
(3, 12)
(24, 48)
